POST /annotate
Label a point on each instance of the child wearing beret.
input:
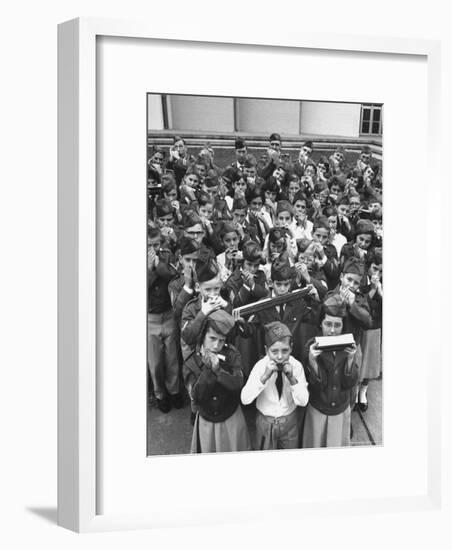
(331, 376)
(278, 384)
(213, 374)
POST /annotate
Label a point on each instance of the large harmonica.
(267, 303)
(334, 343)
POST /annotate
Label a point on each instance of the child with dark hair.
(213, 374)
(363, 242)
(371, 338)
(331, 375)
(325, 253)
(300, 316)
(230, 259)
(247, 284)
(303, 226)
(179, 159)
(257, 216)
(270, 196)
(164, 214)
(163, 359)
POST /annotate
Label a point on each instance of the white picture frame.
(78, 406)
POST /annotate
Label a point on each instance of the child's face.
(240, 155)
(280, 351)
(363, 241)
(335, 190)
(279, 174)
(352, 181)
(275, 145)
(300, 209)
(309, 171)
(206, 211)
(256, 204)
(188, 260)
(307, 257)
(323, 195)
(157, 160)
(179, 146)
(210, 289)
(320, 236)
(154, 243)
(305, 152)
(354, 204)
(231, 241)
(283, 219)
(375, 270)
(338, 157)
(213, 341)
(280, 288)
(277, 247)
(171, 195)
(270, 195)
(332, 222)
(342, 210)
(378, 227)
(196, 232)
(240, 186)
(252, 267)
(331, 325)
(165, 221)
(238, 216)
(365, 158)
(201, 169)
(250, 171)
(350, 281)
(192, 180)
(375, 207)
(368, 173)
(294, 187)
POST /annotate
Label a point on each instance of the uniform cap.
(354, 265)
(335, 306)
(221, 321)
(276, 331)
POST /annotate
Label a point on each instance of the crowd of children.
(220, 238)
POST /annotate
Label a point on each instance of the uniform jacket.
(216, 396)
(329, 389)
(193, 320)
(358, 316)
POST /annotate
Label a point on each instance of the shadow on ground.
(170, 434)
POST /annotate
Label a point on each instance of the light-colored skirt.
(219, 437)
(371, 346)
(321, 430)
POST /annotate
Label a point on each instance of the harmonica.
(334, 343)
(267, 303)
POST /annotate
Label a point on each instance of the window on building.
(371, 119)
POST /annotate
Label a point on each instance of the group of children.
(220, 238)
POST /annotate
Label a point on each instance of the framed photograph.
(210, 234)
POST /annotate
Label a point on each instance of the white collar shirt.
(266, 395)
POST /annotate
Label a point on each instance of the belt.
(278, 419)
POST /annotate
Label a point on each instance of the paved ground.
(171, 433)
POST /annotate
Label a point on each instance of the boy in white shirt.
(278, 384)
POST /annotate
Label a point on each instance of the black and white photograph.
(264, 274)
